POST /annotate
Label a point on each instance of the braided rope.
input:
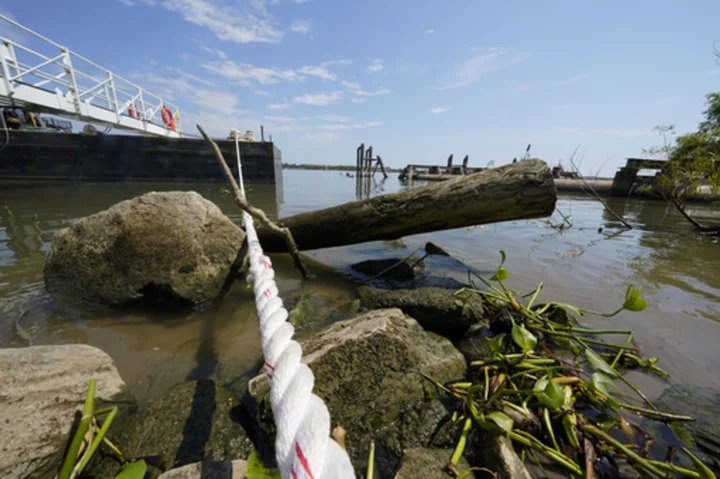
(303, 446)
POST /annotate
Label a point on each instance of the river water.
(588, 265)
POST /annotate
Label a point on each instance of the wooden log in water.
(521, 190)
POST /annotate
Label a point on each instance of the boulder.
(369, 371)
(208, 470)
(427, 463)
(703, 404)
(174, 247)
(497, 454)
(42, 388)
(436, 309)
(194, 421)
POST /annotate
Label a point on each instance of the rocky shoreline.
(372, 359)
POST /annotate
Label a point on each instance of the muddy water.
(588, 265)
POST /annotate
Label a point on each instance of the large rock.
(436, 309)
(427, 463)
(369, 371)
(41, 388)
(208, 470)
(498, 455)
(174, 246)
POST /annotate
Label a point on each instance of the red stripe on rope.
(303, 460)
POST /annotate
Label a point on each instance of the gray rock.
(369, 371)
(174, 246)
(208, 470)
(434, 308)
(427, 463)
(42, 387)
(498, 455)
(701, 403)
(408, 270)
(194, 421)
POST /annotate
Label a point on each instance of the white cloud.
(279, 119)
(246, 74)
(278, 106)
(488, 61)
(301, 26)
(351, 85)
(376, 66)
(319, 99)
(318, 71)
(217, 52)
(438, 109)
(333, 118)
(575, 79)
(300, 1)
(430, 31)
(184, 56)
(613, 132)
(349, 126)
(132, 3)
(216, 101)
(322, 137)
(357, 100)
(238, 23)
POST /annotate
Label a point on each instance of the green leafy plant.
(88, 437)
(557, 403)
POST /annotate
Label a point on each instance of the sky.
(418, 80)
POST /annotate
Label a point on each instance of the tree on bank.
(693, 161)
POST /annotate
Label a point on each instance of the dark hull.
(36, 155)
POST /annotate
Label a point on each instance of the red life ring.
(167, 118)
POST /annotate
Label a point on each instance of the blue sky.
(418, 80)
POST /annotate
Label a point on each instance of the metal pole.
(262, 133)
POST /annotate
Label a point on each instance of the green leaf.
(501, 420)
(600, 382)
(702, 469)
(255, 469)
(605, 421)
(134, 470)
(460, 302)
(541, 384)
(502, 256)
(495, 343)
(599, 363)
(523, 337)
(500, 275)
(634, 300)
(552, 396)
(569, 422)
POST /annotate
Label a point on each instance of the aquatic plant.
(557, 403)
(88, 437)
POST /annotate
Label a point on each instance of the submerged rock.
(427, 463)
(192, 422)
(433, 248)
(701, 403)
(369, 371)
(41, 389)
(208, 470)
(174, 247)
(435, 309)
(408, 270)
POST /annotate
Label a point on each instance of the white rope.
(303, 446)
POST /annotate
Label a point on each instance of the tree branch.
(257, 214)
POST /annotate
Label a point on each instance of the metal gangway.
(49, 78)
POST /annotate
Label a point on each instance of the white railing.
(63, 82)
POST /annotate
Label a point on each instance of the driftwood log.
(521, 190)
